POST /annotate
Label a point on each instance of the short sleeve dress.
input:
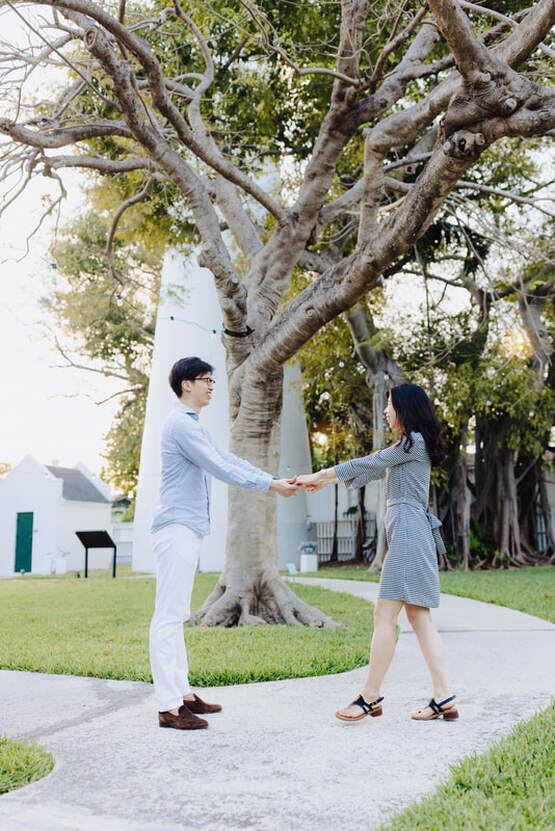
(410, 571)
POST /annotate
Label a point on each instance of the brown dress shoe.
(200, 706)
(184, 720)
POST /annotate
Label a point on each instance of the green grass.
(22, 763)
(530, 590)
(99, 627)
(508, 788)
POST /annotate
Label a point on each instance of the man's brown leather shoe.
(184, 720)
(201, 707)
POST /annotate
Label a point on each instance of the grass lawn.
(22, 763)
(530, 590)
(99, 627)
(508, 788)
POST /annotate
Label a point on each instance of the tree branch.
(133, 200)
(510, 21)
(471, 56)
(371, 192)
(106, 165)
(56, 136)
(260, 20)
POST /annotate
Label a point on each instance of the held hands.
(285, 487)
(312, 482)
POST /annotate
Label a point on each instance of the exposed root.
(272, 601)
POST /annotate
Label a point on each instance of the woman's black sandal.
(438, 710)
(372, 708)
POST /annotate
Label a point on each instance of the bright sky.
(46, 411)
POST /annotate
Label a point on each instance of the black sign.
(96, 539)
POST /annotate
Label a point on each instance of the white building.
(41, 508)
(189, 323)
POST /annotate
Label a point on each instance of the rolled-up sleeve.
(197, 448)
(357, 472)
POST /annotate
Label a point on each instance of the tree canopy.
(374, 115)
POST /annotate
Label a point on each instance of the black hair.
(187, 369)
(416, 414)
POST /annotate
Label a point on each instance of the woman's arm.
(358, 472)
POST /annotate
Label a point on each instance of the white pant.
(177, 551)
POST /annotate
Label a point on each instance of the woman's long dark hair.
(416, 414)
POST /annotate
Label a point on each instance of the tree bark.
(361, 525)
(250, 590)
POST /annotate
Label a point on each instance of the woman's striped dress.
(410, 571)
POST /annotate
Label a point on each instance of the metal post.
(114, 565)
(86, 562)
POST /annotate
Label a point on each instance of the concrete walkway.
(276, 759)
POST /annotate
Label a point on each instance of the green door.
(23, 542)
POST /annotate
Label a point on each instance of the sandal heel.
(376, 713)
(450, 715)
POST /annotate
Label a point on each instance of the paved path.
(276, 759)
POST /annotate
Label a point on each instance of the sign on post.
(96, 539)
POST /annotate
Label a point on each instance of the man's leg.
(182, 664)
(176, 548)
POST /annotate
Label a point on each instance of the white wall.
(196, 315)
(83, 516)
(293, 517)
(29, 487)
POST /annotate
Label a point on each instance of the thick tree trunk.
(463, 513)
(498, 505)
(250, 590)
(454, 503)
(361, 525)
(380, 388)
(334, 545)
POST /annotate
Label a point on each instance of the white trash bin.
(309, 556)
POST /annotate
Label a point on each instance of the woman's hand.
(312, 482)
(285, 487)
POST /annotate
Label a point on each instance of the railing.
(346, 537)
(122, 535)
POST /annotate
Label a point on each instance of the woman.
(410, 573)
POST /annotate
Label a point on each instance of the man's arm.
(196, 447)
(285, 487)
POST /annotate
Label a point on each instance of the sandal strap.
(437, 707)
(366, 705)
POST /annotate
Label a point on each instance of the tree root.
(270, 601)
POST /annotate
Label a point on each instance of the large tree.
(149, 91)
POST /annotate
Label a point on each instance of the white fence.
(346, 537)
(122, 535)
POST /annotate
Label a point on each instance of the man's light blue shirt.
(190, 457)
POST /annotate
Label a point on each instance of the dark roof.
(77, 487)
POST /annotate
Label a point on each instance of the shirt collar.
(189, 411)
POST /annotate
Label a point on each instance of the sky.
(46, 411)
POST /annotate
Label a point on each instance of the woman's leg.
(381, 650)
(432, 648)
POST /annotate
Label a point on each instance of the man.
(181, 520)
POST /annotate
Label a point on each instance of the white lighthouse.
(189, 323)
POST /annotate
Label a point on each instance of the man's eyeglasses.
(210, 381)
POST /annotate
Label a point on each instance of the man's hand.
(285, 487)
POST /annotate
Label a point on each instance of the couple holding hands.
(182, 518)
